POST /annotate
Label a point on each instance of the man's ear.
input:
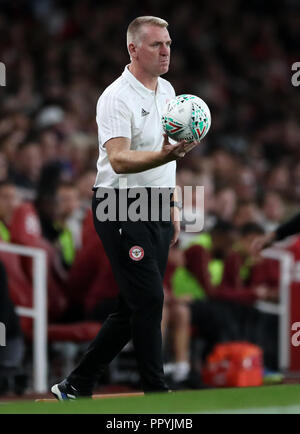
(132, 50)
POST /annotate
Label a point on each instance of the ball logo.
(136, 253)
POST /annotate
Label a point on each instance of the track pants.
(138, 253)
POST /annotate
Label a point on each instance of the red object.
(21, 295)
(84, 331)
(294, 303)
(197, 260)
(75, 332)
(234, 364)
(25, 230)
(20, 283)
(294, 317)
(233, 287)
(91, 279)
(19, 286)
(136, 253)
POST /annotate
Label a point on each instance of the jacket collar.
(139, 87)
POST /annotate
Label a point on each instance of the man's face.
(153, 50)
(8, 202)
(223, 242)
(247, 241)
(67, 202)
(30, 161)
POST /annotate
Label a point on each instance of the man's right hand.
(178, 150)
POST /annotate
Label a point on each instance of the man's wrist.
(175, 203)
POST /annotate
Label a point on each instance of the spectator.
(246, 277)
(66, 224)
(247, 212)
(3, 167)
(176, 325)
(245, 184)
(225, 204)
(27, 169)
(85, 192)
(274, 211)
(230, 313)
(90, 285)
(19, 224)
(8, 203)
(192, 274)
(279, 180)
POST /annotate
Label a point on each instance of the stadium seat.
(21, 294)
(75, 332)
(26, 230)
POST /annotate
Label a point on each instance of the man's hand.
(178, 150)
(261, 242)
(263, 292)
(125, 160)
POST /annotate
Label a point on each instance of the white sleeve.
(113, 119)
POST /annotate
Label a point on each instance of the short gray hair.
(135, 26)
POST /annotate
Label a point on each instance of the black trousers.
(138, 253)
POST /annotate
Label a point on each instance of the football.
(186, 117)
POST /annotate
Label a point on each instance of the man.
(230, 313)
(247, 276)
(27, 170)
(67, 228)
(133, 149)
(19, 224)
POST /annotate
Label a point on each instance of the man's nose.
(165, 50)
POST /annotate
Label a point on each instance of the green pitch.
(265, 399)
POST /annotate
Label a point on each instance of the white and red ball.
(186, 117)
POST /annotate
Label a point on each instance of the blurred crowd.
(59, 57)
